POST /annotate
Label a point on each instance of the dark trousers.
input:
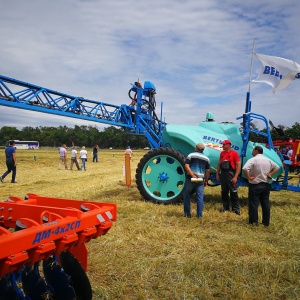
(259, 193)
(10, 168)
(74, 161)
(228, 188)
(95, 157)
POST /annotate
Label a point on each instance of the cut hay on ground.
(152, 252)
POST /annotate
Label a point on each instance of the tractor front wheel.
(160, 175)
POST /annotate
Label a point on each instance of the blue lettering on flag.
(272, 71)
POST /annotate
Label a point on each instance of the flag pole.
(248, 102)
(246, 119)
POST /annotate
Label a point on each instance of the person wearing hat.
(197, 167)
(228, 170)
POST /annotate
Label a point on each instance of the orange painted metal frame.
(51, 225)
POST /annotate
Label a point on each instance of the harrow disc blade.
(80, 281)
(58, 280)
(35, 287)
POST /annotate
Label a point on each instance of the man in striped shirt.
(197, 167)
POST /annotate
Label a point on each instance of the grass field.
(152, 252)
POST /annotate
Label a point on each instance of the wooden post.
(127, 170)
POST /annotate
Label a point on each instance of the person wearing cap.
(228, 170)
(259, 171)
(197, 167)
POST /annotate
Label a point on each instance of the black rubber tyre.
(160, 175)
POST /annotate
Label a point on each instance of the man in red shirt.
(228, 170)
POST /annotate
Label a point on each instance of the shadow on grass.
(281, 203)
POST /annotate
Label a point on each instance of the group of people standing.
(75, 157)
(11, 159)
(258, 170)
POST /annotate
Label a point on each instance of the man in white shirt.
(259, 171)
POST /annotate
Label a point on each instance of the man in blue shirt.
(197, 167)
(11, 162)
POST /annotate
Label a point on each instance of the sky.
(197, 53)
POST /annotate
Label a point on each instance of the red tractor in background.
(284, 146)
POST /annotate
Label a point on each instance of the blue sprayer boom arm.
(137, 118)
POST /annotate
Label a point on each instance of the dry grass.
(152, 252)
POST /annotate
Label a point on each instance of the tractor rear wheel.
(160, 175)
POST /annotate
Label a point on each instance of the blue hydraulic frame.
(137, 118)
(248, 117)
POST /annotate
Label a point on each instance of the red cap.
(225, 142)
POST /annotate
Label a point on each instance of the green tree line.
(111, 136)
(79, 136)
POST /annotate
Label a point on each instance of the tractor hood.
(212, 134)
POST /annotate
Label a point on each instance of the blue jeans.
(189, 188)
(82, 164)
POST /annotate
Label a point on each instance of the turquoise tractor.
(160, 175)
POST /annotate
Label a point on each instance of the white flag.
(277, 72)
